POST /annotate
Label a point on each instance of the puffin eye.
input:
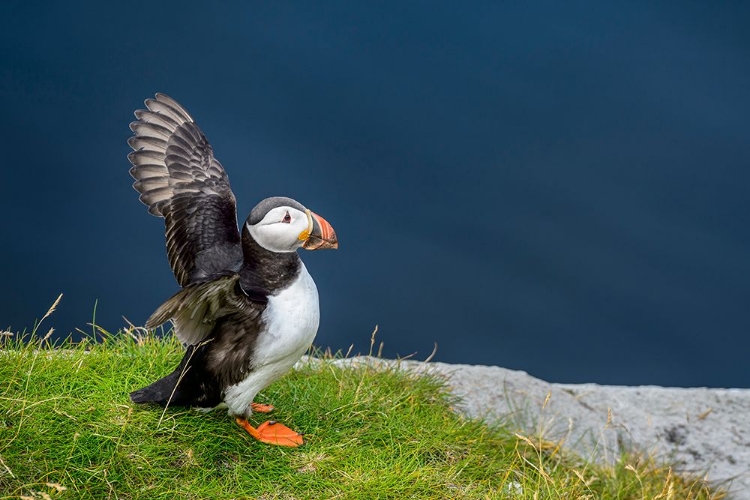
(287, 218)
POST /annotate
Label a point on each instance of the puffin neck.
(264, 271)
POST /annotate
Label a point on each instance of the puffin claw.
(272, 432)
(261, 408)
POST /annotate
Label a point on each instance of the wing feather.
(179, 178)
(195, 309)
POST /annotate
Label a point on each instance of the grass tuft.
(69, 431)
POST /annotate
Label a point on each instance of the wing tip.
(165, 100)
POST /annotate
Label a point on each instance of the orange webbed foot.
(261, 408)
(272, 432)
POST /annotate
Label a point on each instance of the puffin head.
(283, 225)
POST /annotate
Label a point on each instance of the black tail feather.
(162, 392)
(187, 385)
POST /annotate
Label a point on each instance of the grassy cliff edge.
(68, 430)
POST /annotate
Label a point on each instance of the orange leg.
(261, 408)
(272, 432)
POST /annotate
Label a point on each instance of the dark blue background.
(557, 187)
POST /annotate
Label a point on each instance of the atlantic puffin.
(248, 309)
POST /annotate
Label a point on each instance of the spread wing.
(196, 309)
(179, 179)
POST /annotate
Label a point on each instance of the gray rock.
(700, 431)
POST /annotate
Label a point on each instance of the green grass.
(69, 431)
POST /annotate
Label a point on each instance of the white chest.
(291, 321)
(291, 317)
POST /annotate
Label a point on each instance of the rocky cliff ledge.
(700, 431)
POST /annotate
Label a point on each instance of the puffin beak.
(321, 235)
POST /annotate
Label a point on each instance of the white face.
(283, 229)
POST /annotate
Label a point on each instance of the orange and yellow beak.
(319, 234)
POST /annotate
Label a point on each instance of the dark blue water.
(561, 189)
